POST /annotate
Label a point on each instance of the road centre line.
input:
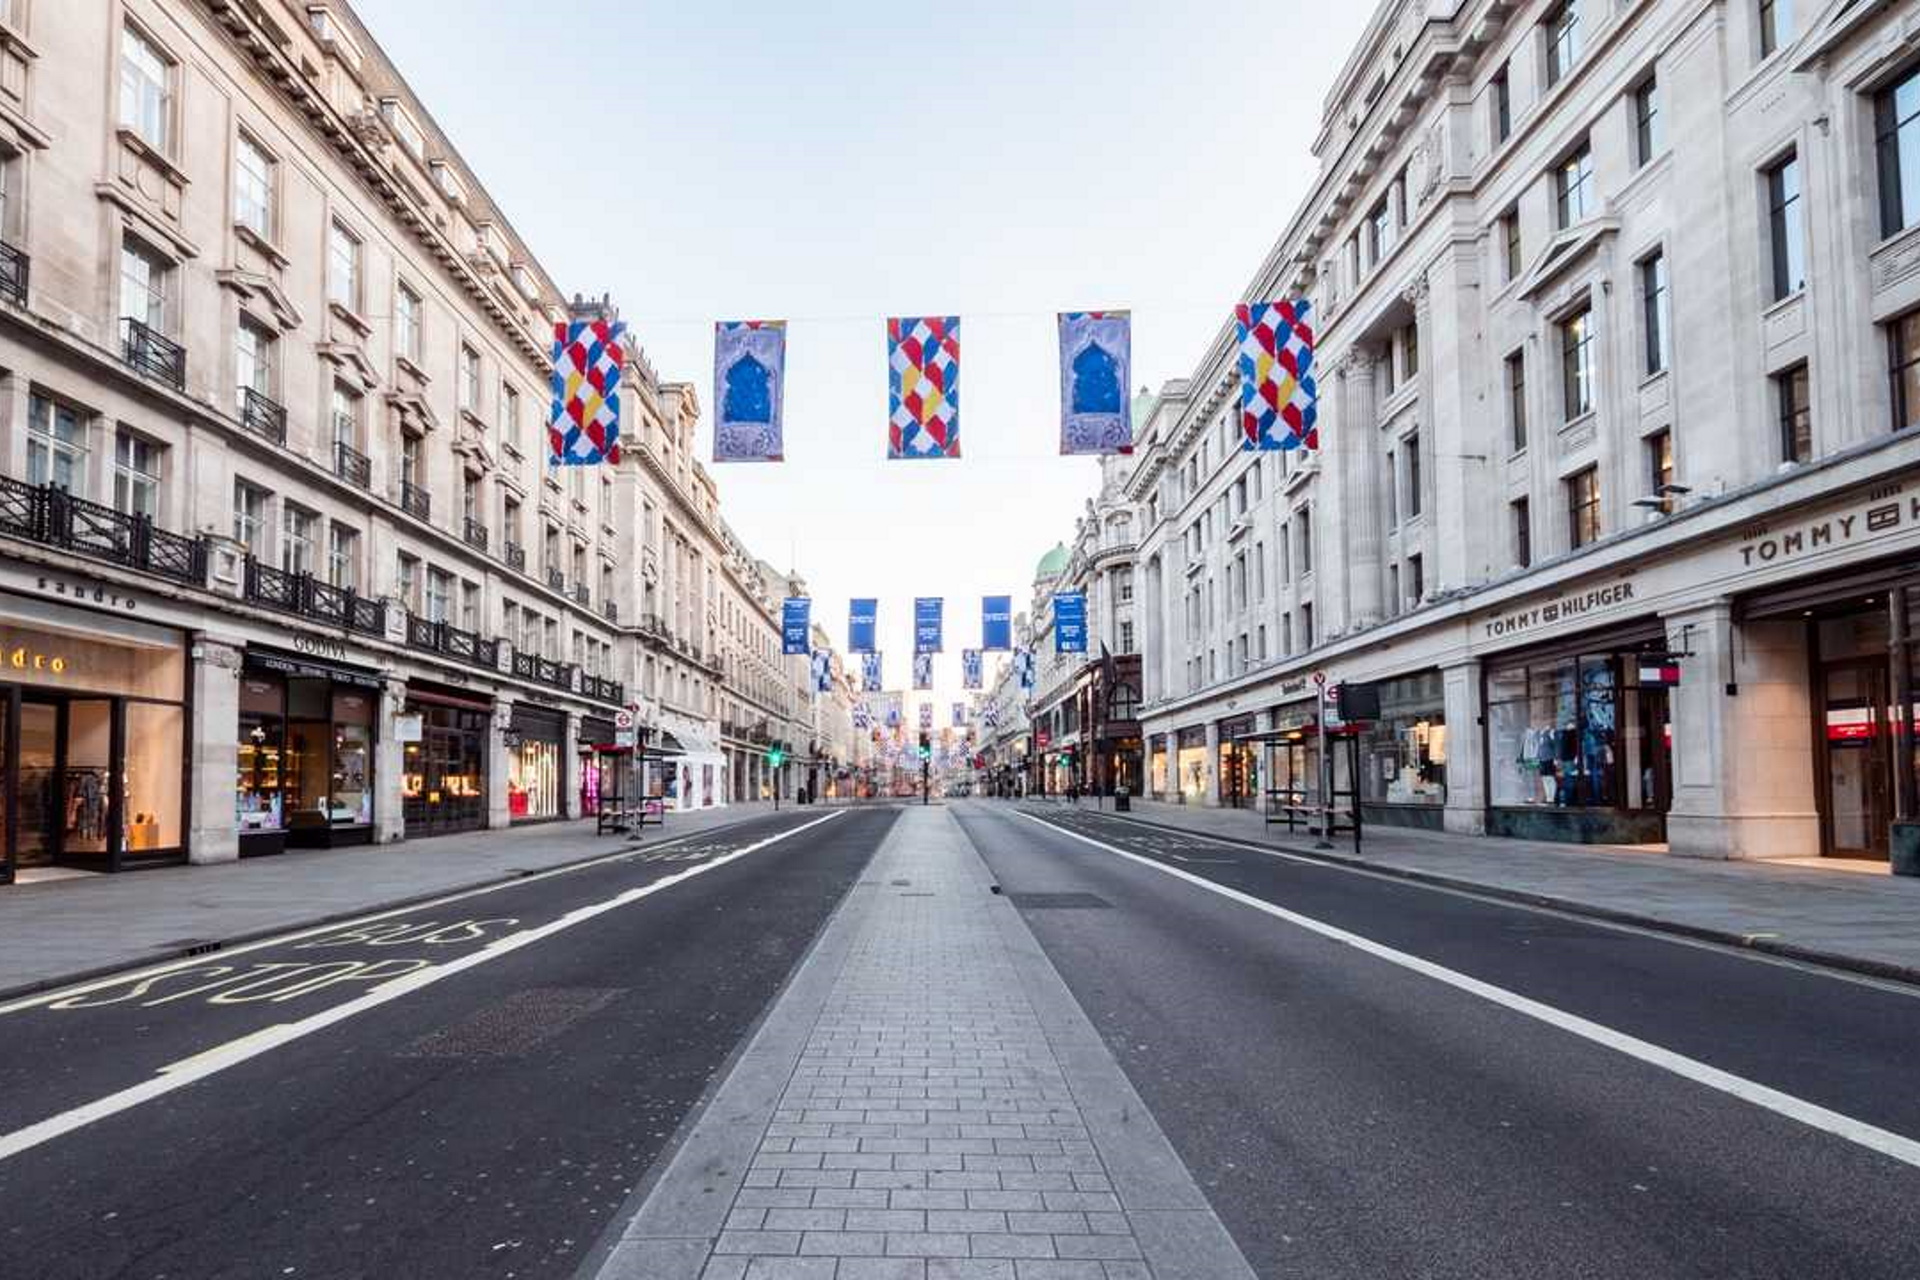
(1883, 1141)
(208, 1062)
(335, 926)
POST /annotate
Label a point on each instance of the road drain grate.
(514, 1025)
(1059, 901)
(191, 946)
(919, 893)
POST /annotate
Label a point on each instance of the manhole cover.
(1058, 901)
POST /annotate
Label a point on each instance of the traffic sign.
(623, 718)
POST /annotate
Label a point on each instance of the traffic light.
(926, 747)
(776, 757)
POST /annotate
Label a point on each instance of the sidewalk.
(926, 1101)
(1864, 922)
(64, 930)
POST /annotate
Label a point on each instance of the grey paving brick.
(791, 1269)
(844, 1244)
(1008, 1245)
(926, 1244)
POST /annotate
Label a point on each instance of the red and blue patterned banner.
(1279, 398)
(1096, 368)
(583, 429)
(749, 390)
(923, 387)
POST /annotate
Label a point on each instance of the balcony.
(580, 594)
(610, 610)
(475, 533)
(13, 274)
(305, 596)
(351, 465)
(153, 353)
(603, 689)
(556, 580)
(263, 417)
(515, 556)
(453, 642)
(654, 626)
(531, 666)
(416, 501)
(51, 516)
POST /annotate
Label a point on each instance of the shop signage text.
(1886, 512)
(21, 658)
(320, 646)
(1565, 609)
(88, 594)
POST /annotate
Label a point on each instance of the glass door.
(1855, 808)
(36, 784)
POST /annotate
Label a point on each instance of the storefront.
(606, 768)
(1403, 753)
(305, 753)
(1190, 765)
(1578, 747)
(443, 737)
(535, 742)
(1239, 764)
(93, 739)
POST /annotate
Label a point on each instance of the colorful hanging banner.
(749, 390)
(1096, 368)
(959, 715)
(822, 670)
(990, 715)
(926, 715)
(923, 387)
(862, 618)
(796, 625)
(926, 624)
(1279, 398)
(996, 623)
(870, 671)
(583, 426)
(1023, 669)
(970, 669)
(1069, 622)
(923, 671)
(862, 715)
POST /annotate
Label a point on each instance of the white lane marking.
(336, 926)
(1884, 1141)
(201, 1065)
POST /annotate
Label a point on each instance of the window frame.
(1786, 225)
(1649, 133)
(1500, 94)
(1905, 413)
(1578, 161)
(339, 233)
(1577, 372)
(409, 322)
(163, 277)
(133, 116)
(1656, 352)
(1518, 428)
(136, 488)
(1561, 27)
(1583, 507)
(44, 412)
(1888, 129)
(244, 142)
(1795, 414)
(1521, 509)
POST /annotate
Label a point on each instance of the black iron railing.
(515, 555)
(352, 465)
(303, 594)
(416, 501)
(475, 533)
(556, 580)
(581, 595)
(454, 642)
(50, 515)
(263, 417)
(531, 666)
(603, 689)
(153, 353)
(14, 268)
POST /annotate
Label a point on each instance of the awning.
(666, 745)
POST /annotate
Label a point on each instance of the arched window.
(1123, 703)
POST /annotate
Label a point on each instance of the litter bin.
(1122, 800)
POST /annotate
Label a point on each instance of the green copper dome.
(1052, 564)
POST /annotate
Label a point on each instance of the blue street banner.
(870, 672)
(923, 671)
(796, 625)
(996, 623)
(822, 670)
(749, 390)
(959, 715)
(1096, 372)
(893, 710)
(1069, 622)
(970, 668)
(862, 616)
(926, 624)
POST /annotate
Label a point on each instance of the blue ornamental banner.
(1069, 622)
(862, 618)
(749, 395)
(796, 625)
(822, 670)
(996, 623)
(870, 672)
(1023, 669)
(893, 710)
(1096, 368)
(970, 668)
(923, 671)
(926, 624)
(959, 715)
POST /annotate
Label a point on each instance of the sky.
(833, 164)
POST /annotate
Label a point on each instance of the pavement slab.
(926, 1100)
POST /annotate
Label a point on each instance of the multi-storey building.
(1617, 341)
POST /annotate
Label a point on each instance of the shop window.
(1896, 128)
(1792, 396)
(56, 444)
(1903, 362)
(1583, 507)
(1404, 752)
(258, 794)
(1571, 732)
(1786, 227)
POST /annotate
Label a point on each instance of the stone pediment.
(264, 290)
(352, 362)
(1565, 250)
(413, 410)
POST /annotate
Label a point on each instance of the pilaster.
(389, 766)
(214, 835)
(499, 816)
(1466, 810)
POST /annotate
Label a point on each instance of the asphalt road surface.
(1352, 1117)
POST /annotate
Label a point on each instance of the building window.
(346, 416)
(1562, 26)
(1896, 127)
(470, 496)
(1653, 311)
(1379, 231)
(406, 323)
(1576, 365)
(1573, 187)
(1126, 637)
(253, 362)
(1500, 93)
(253, 187)
(1792, 393)
(343, 267)
(1522, 511)
(1393, 489)
(1649, 132)
(1416, 580)
(439, 595)
(1412, 447)
(469, 380)
(136, 475)
(1786, 228)
(1516, 364)
(146, 90)
(1409, 346)
(145, 280)
(1306, 540)
(296, 539)
(1583, 507)
(249, 516)
(469, 605)
(1903, 337)
(56, 445)
(1776, 25)
(509, 415)
(343, 556)
(412, 463)
(1306, 625)
(407, 581)
(1660, 468)
(1510, 253)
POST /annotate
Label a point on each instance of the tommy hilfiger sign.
(1883, 512)
(1568, 608)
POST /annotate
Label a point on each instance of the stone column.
(1466, 749)
(499, 816)
(1357, 542)
(389, 764)
(570, 806)
(1210, 794)
(214, 834)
